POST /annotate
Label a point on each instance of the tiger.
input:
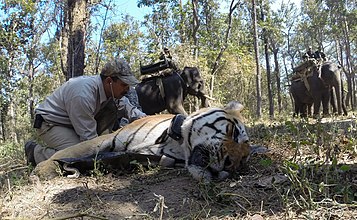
(211, 142)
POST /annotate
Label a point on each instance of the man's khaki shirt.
(76, 103)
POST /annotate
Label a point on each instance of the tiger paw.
(223, 175)
(200, 174)
(46, 170)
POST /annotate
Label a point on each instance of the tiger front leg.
(198, 164)
(202, 168)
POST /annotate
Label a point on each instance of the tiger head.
(212, 136)
(235, 146)
(237, 153)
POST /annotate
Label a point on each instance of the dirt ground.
(262, 190)
(163, 194)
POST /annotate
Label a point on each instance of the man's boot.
(29, 153)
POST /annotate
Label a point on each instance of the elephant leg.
(338, 99)
(333, 101)
(309, 109)
(204, 102)
(299, 109)
(325, 105)
(303, 110)
(176, 109)
(317, 104)
(296, 109)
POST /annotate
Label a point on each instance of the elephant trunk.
(204, 100)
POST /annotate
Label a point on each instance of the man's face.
(119, 88)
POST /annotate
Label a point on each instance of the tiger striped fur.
(210, 137)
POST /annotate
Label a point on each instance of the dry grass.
(310, 172)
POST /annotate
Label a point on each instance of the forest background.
(245, 50)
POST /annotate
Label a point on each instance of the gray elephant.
(321, 85)
(169, 92)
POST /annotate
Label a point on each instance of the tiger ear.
(234, 106)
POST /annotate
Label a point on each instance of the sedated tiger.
(211, 141)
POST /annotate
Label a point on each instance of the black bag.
(155, 67)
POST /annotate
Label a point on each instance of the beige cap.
(121, 69)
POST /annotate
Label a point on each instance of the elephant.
(322, 85)
(303, 101)
(165, 92)
(169, 92)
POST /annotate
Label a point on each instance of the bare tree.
(258, 73)
(232, 7)
(267, 61)
(195, 26)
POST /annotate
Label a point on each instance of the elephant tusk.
(208, 97)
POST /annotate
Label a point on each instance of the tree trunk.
(12, 128)
(63, 40)
(349, 63)
(195, 26)
(77, 20)
(339, 53)
(349, 73)
(182, 30)
(98, 57)
(277, 78)
(30, 94)
(3, 121)
(258, 74)
(267, 62)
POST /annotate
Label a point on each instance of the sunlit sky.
(130, 7)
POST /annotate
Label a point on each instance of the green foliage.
(122, 39)
(169, 24)
(10, 150)
(312, 155)
(266, 162)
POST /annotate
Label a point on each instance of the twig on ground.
(16, 169)
(5, 164)
(161, 204)
(242, 207)
(80, 215)
(234, 194)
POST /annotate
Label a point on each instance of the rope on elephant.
(304, 70)
(305, 66)
(161, 87)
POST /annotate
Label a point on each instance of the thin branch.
(97, 59)
(79, 215)
(227, 34)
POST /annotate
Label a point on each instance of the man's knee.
(42, 153)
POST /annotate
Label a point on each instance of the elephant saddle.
(303, 71)
(305, 67)
(155, 67)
